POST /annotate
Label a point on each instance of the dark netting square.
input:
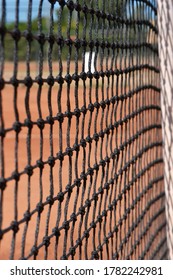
(80, 137)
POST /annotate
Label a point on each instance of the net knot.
(68, 114)
(40, 207)
(27, 216)
(96, 137)
(3, 30)
(102, 163)
(85, 9)
(77, 182)
(96, 166)
(88, 203)
(116, 256)
(77, 113)
(84, 110)
(16, 34)
(50, 200)
(100, 248)
(40, 164)
(46, 241)
(75, 77)
(97, 105)
(107, 72)
(60, 117)
(100, 218)
(103, 45)
(104, 213)
(107, 101)
(95, 196)
(60, 196)
(14, 81)
(69, 151)
(83, 76)
(40, 123)
(82, 211)
(95, 255)
(60, 41)
(102, 74)
(101, 190)
(120, 222)
(17, 126)
(28, 82)
(15, 226)
(106, 186)
(28, 35)
(60, 156)
(77, 44)
(16, 176)
(107, 131)
(88, 139)
(90, 75)
(116, 151)
(106, 240)
(1, 234)
(103, 104)
(28, 123)
(101, 134)
(39, 80)
(62, 3)
(91, 44)
(50, 120)
(113, 155)
(52, 1)
(83, 176)
(111, 127)
(2, 184)
(66, 225)
(110, 234)
(90, 171)
(76, 147)
(29, 170)
(83, 143)
(70, 5)
(93, 224)
(41, 38)
(114, 202)
(84, 43)
(69, 42)
(116, 229)
(50, 80)
(72, 251)
(86, 234)
(34, 250)
(56, 232)
(73, 217)
(2, 83)
(2, 132)
(51, 161)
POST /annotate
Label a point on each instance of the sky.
(23, 9)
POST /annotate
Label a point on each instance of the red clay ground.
(51, 181)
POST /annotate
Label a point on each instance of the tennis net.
(81, 140)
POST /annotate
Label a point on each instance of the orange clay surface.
(18, 198)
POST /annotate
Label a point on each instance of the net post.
(165, 26)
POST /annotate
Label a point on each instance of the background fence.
(81, 140)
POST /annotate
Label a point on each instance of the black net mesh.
(80, 138)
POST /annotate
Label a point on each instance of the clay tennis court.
(25, 194)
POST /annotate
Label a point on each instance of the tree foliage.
(73, 24)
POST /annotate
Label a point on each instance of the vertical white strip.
(165, 25)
